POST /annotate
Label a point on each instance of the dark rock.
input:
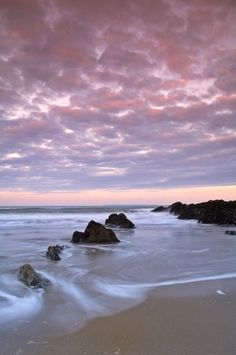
(160, 209)
(77, 237)
(54, 251)
(230, 232)
(119, 220)
(97, 233)
(30, 277)
(217, 211)
(176, 208)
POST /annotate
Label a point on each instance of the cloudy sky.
(109, 98)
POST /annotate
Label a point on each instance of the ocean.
(97, 280)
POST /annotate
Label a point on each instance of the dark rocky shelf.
(213, 211)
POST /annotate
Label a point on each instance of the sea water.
(96, 280)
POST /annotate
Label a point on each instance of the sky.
(117, 101)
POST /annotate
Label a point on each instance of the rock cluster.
(119, 220)
(30, 277)
(54, 251)
(217, 211)
(95, 233)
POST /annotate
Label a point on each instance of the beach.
(167, 288)
(161, 325)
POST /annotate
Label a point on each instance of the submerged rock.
(95, 233)
(30, 277)
(230, 232)
(217, 211)
(119, 220)
(54, 251)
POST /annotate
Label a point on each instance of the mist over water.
(98, 280)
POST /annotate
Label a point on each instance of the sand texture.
(161, 325)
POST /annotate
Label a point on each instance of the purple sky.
(117, 94)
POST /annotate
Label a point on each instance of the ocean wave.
(78, 216)
(14, 307)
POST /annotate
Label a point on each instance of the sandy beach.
(173, 325)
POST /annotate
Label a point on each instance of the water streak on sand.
(119, 289)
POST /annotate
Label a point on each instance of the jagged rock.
(77, 237)
(160, 209)
(230, 232)
(95, 233)
(30, 277)
(177, 207)
(119, 220)
(217, 211)
(54, 251)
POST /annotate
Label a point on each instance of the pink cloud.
(147, 87)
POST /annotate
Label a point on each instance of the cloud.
(119, 95)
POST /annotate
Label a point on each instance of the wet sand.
(173, 325)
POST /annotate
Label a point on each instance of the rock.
(97, 233)
(30, 277)
(119, 220)
(176, 208)
(77, 237)
(230, 232)
(54, 251)
(160, 209)
(217, 211)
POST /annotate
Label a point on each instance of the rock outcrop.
(31, 278)
(95, 233)
(119, 220)
(160, 209)
(54, 251)
(217, 211)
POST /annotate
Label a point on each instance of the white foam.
(7, 296)
(95, 248)
(67, 253)
(200, 251)
(36, 342)
(120, 289)
(219, 292)
(16, 307)
(75, 292)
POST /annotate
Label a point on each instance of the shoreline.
(169, 288)
(177, 324)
